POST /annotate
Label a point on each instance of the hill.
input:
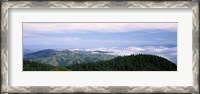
(139, 62)
(35, 66)
(65, 57)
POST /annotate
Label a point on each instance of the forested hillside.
(139, 62)
(35, 66)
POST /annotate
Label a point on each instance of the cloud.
(169, 53)
(96, 27)
(42, 40)
(29, 35)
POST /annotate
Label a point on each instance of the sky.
(120, 38)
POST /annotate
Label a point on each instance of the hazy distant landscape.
(99, 46)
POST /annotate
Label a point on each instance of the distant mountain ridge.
(41, 54)
(66, 57)
(28, 51)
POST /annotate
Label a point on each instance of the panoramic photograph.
(50, 46)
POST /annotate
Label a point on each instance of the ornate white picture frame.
(6, 5)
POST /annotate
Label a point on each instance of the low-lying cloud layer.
(169, 53)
